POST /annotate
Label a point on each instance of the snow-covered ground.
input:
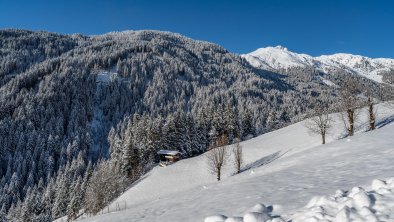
(327, 82)
(376, 204)
(287, 167)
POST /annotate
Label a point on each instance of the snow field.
(356, 205)
(286, 167)
(258, 213)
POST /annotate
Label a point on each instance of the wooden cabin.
(167, 157)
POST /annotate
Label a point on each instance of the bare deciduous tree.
(217, 155)
(349, 103)
(320, 123)
(372, 114)
(238, 156)
(370, 103)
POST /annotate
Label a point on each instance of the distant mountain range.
(279, 58)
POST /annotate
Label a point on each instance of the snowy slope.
(285, 167)
(276, 58)
(370, 68)
(279, 57)
(359, 204)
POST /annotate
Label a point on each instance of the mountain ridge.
(277, 58)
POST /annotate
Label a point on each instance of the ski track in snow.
(286, 167)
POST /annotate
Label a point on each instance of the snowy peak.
(279, 57)
(357, 62)
(281, 48)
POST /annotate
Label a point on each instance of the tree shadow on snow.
(384, 122)
(364, 127)
(264, 160)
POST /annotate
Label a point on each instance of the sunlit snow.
(289, 167)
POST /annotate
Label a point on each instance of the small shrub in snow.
(321, 123)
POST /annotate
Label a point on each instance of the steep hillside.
(21, 49)
(286, 168)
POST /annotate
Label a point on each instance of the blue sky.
(313, 27)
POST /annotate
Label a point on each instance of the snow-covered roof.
(168, 152)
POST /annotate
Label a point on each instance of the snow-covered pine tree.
(75, 204)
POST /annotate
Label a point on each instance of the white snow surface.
(275, 58)
(283, 169)
(327, 82)
(358, 205)
(104, 77)
(376, 204)
(168, 152)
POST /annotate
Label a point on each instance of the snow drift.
(376, 204)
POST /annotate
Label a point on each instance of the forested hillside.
(83, 114)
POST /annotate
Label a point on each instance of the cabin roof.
(168, 152)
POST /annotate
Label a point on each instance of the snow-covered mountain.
(280, 58)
